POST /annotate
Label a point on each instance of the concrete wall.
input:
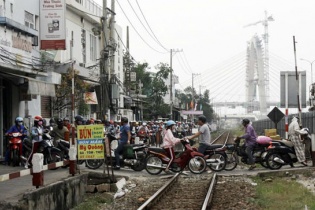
(64, 194)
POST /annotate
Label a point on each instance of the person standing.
(294, 137)
(203, 134)
(125, 137)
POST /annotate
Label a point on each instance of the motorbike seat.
(157, 149)
(214, 146)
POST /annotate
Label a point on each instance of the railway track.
(182, 192)
(224, 138)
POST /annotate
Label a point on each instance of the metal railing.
(210, 192)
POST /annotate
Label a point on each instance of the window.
(92, 47)
(79, 1)
(29, 19)
(11, 7)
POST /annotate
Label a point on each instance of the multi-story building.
(25, 81)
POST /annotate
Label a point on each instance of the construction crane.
(266, 41)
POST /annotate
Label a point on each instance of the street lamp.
(311, 63)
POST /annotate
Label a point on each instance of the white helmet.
(144, 124)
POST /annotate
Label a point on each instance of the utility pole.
(128, 79)
(171, 80)
(72, 87)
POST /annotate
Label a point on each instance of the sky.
(212, 36)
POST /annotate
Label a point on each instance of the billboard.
(52, 25)
(292, 89)
(90, 142)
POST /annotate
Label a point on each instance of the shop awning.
(35, 86)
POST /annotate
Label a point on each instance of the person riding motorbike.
(59, 131)
(18, 127)
(37, 137)
(125, 137)
(203, 134)
(250, 137)
(169, 142)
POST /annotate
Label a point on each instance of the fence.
(308, 121)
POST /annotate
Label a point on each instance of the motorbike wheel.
(270, 161)
(15, 157)
(55, 157)
(94, 163)
(231, 161)
(217, 163)
(264, 163)
(197, 165)
(153, 160)
(140, 165)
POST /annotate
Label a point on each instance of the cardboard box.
(275, 137)
(270, 132)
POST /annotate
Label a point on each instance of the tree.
(62, 100)
(204, 102)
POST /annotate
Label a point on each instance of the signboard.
(90, 98)
(90, 142)
(292, 89)
(133, 76)
(192, 112)
(275, 115)
(52, 25)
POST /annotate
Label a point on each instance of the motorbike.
(259, 152)
(280, 153)
(15, 145)
(216, 157)
(158, 159)
(50, 152)
(134, 155)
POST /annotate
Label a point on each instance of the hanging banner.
(90, 142)
(52, 24)
(90, 98)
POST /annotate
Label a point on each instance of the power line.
(149, 26)
(187, 61)
(136, 30)
(153, 37)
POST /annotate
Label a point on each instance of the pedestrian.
(250, 137)
(169, 142)
(294, 137)
(306, 139)
(124, 139)
(203, 134)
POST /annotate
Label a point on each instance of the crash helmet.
(18, 120)
(144, 124)
(79, 119)
(170, 123)
(59, 121)
(245, 122)
(38, 118)
(52, 122)
(66, 119)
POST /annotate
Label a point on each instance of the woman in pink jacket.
(169, 142)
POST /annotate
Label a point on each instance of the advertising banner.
(52, 25)
(90, 98)
(90, 142)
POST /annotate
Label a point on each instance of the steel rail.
(210, 192)
(159, 193)
(216, 139)
(228, 135)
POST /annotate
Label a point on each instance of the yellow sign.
(90, 142)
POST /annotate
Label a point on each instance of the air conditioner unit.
(82, 64)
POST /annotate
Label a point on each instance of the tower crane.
(264, 22)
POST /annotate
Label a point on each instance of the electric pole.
(171, 81)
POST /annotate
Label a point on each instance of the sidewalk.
(13, 190)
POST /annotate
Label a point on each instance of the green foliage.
(283, 193)
(64, 90)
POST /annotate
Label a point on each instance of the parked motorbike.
(280, 153)
(15, 145)
(134, 155)
(158, 160)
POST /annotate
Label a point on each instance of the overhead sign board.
(192, 112)
(52, 24)
(292, 88)
(90, 142)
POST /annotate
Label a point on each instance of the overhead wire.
(152, 36)
(150, 26)
(137, 31)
